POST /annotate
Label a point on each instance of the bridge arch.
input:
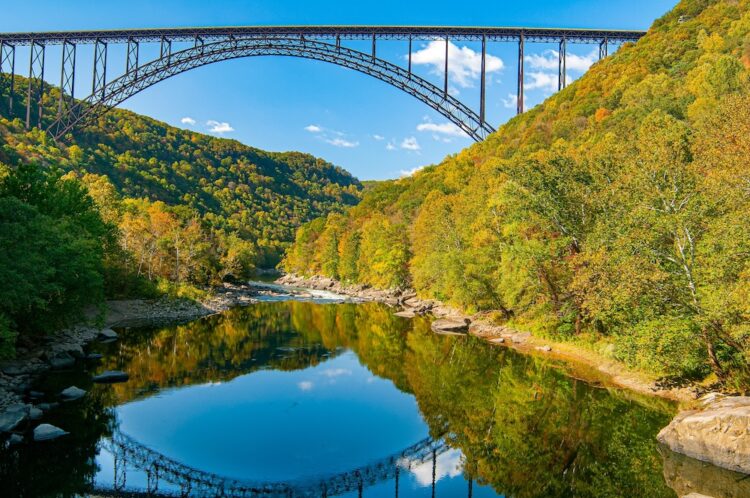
(171, 64)
(127, 452)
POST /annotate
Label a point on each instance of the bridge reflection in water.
(183, 480)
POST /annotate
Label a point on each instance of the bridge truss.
(187, 481)
(209, 45)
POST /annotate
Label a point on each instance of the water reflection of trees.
(524, 426)
(63, 467)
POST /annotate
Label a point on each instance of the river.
(325, 398)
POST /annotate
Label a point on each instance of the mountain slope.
(262, 196)
(613, 213)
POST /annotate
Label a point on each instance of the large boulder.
(13, 416)
(692, 478)
(46, 432)
(719, 433)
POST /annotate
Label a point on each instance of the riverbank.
(60, 350)
(583, 363)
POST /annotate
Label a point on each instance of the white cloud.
(218, 127)
(342, 142)
(188, 121)
(548, 82)
(335, 372)
(448, 464)
(549, 60)
(305, 385)
(446, 128)
(409, 172)
(378, 137)
(464, 64)
(390, 146)
(313, 128)
(410, 143)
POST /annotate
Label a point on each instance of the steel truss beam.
(330, 33)
(151, 73)
(100, 69)
(36, 82)
(67, 78)
(131, 58)
(129, 453)
(8, 66)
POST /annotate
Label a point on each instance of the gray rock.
(14, 369)
(450, 325)
(35, 413)
(111, 376)
(107, 334)
(72, 393)
(15, 439)
(406, 314)
(36, 394)
(12, 417)
(94, 356)
(717, 434)
(47, 406)
(46, 432)
(62, 360)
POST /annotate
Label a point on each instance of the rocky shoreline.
(716, 431)
(62, 349)
(585, 364)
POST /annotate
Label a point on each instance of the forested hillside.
(615, 213)
(133, 207)
(261, 196)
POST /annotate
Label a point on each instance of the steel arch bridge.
(202, 46)
(187, 481)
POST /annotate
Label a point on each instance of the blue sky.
(353, 120)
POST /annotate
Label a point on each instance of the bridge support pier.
(482, 87)
(562, 65)
(519, 100)
(8, 66)
(67, 77)
(604, 48)
(445, 83)
(36, 81)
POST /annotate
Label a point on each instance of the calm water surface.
(308, 399)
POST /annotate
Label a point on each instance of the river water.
(318, 398)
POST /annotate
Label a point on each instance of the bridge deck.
(354, 32)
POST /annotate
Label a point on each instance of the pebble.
(35, 413)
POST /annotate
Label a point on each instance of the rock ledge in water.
(450, 325)
(45, 432)
(718, 434)
(111, 376)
